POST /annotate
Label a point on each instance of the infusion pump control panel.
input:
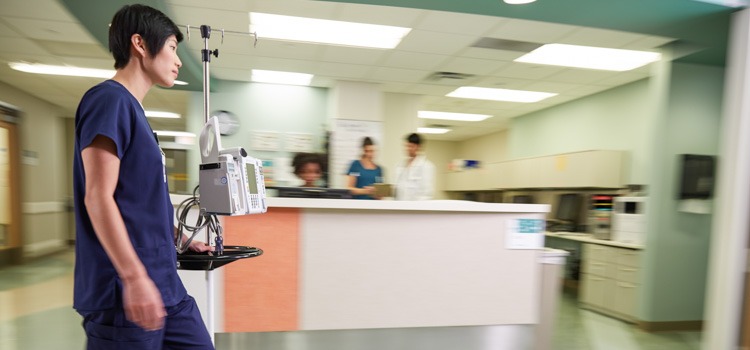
(231, 182)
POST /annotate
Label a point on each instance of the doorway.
(10, 187)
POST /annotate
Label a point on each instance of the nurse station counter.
(336, 264)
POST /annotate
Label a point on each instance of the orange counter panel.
(267, 298)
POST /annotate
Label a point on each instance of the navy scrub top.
(142, 195)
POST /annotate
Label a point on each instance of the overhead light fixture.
(276, 77)
(589, 57)
(160, 114)
(506, 95)
(322, 31)
(465, 117)
(68, 71)
(518, 2)
(432, 130)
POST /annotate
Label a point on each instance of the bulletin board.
(346, 146)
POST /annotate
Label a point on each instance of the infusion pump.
(231, 182)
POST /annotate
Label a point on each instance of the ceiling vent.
(506, 45)
(449, 76)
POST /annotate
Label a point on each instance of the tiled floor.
(35, 313)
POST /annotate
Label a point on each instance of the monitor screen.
(568, 207)
(523, 198)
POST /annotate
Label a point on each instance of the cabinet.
(609, 280)
(591, 169)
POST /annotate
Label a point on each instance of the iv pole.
(206, 59)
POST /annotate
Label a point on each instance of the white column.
(730, 224)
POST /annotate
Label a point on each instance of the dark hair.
(367, 141)
(153, 25)
(414, 138)
(301, 159)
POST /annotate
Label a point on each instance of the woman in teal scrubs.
(363, 173)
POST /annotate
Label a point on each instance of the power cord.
(209, 222)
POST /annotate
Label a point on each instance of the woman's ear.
(138, 44)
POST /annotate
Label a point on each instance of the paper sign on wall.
(525, 234)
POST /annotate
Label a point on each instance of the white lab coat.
(416, 181)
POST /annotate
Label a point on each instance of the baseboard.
(670, 326)
(41, 248)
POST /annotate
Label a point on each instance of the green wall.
(262, 107)
(678, 244)
(615, 119)
(676, 111)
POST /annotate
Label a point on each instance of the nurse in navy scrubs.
(126, 285)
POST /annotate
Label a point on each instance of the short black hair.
(367, 141)
(301, 159)
(414, 138)
(153, 25)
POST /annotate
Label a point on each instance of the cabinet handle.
(628, 269)
(625, 285)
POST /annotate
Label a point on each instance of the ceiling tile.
(398, 75)
(413, 60)
(300, 8)
(599, 37)
(527, 71)
(50, 10)
(383, 15)
(230, 74)
(648, 43)
(7, 31)
(490, 54)
(435, 42)
(458, 23)
(340, 70)
(22, 46)
(228, 5)
(472, 66)
(503, 82)
(549, 86)
(531, 31)
(352, 55)
(580, 76)
(52, 30)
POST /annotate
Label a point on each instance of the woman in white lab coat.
(415, 176)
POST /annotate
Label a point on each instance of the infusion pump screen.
(251, 181)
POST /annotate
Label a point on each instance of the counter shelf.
(207, 261)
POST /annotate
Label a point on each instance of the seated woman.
(308, 167)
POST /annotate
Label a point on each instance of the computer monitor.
(568, 208)
(566, 216)
(313, 192)
(523, 198)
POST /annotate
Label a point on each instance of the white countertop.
(589, 238)
(431, 205)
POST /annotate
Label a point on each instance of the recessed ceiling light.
(480, 93)
(276, 77)
(68, 71)
(432, 130)
(322, 31)
(161, 114)
(589, 57)
(452, 116)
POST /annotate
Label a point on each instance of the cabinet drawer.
(625, 297)
(627, 274)
(599, 268)
(628, 257)
(597, 291)
(597, 252)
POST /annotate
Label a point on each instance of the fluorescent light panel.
(68, 71)
(589, 57)
(322, 31)
(518, 2)
(432, 130)
(161, 114)
(466, 117)
(276, 77)
(506, 95)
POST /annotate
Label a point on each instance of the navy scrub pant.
(183, 329)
